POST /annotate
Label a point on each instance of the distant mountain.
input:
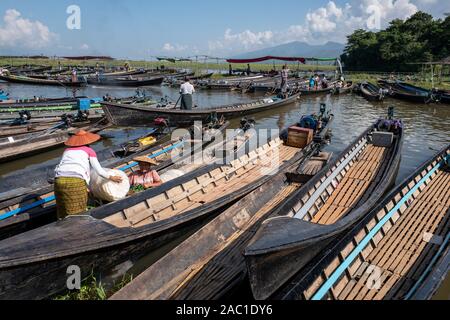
(298, 49)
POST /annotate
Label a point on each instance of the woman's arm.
(98, 168)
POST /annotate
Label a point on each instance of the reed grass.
(94, 290)
(419, 79)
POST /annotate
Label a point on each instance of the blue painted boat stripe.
(347, 262)
(424, 274)
(52, 198)
(27, 207)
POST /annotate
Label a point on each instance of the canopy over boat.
(291, 59)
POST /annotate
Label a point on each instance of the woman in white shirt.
(73, 174)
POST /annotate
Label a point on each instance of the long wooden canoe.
(33, 265)
(119, 82)
(408, 92)
(328, 205)
(123, 115)
(26, 103)
(43, 175)
(371, 92)
(210, 263)
(44, 82)
(443, 96)
(10, 131)
(347, 88)
(24, 209)
(29, 144)
(400, 250)
(309, 92)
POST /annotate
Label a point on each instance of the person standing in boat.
(312, 83)
(74, 75)
(284, 81)
(72, 175)
(186, 91)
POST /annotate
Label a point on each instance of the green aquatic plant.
(94, 290)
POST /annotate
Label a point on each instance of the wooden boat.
(57, 111)
(443, 96)
(11, 131)
(38, 102)
(404, 91)
(33, 264)
(399, 251)
(45, 82)
(29, 144)
(123, 73)
(46, 108)
(229, 83)
(40, 176)
(23, 209)
(126, 82)
(202, 76)
(26, 130)
(271, 86)
(210, 263)
(30, 69)
(347, 88)
(308, 92)
(371, 92)
(123, 115)
(324, 209)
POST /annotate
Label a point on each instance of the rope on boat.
(362, 245)
(52, 198)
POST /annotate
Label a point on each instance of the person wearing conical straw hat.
(73, 174)
(146, 176)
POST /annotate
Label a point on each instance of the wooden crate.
(299, 137)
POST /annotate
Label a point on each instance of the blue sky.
(139, 28)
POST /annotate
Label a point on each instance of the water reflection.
(426, 126)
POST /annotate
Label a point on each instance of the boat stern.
(280, 249)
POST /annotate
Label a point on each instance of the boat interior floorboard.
(399, 255)
(204, 189)
(353, 186)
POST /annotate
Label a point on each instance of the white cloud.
(84, 46)
(168, 47)
(328, 23)
(17, 31)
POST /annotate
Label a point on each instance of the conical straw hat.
(82, 138)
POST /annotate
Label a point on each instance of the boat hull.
(284, 245)
(123, 115)
(413, 273)
(42, 82)
(127, 83)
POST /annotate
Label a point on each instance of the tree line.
(402, 44)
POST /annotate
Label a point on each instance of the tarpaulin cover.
(302, 60)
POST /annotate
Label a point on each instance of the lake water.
(426, 126)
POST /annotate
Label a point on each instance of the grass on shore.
(418, 79)
(221, 66)
(93, 290)
(415, 79)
